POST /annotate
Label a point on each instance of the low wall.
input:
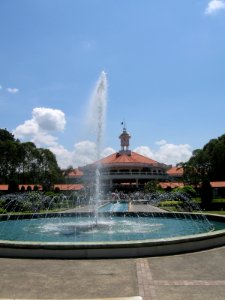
(124, 249)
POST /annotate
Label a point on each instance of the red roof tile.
(69, 187)
(125, 158)
(3, 187)
(171, 185)
(175, 171)
(75, 173)
(217, 184)
(62, 187)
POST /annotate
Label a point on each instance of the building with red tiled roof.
(126, 169)
(171, 185)
(175, 173)
(69, 187)
(73, 176)
(32, 187)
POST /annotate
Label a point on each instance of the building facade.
(125, 170)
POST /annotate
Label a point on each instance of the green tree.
(206, 194)
(26, 163)
(28, 169)
(186, 189)
(207, 163)
(215, 150)
(6, 136)
(13, 187)
(197, 168)
(48, 168)
(152, 186)
(10, 159)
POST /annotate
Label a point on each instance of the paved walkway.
(199, 275)
(132, 208)
(145, 208)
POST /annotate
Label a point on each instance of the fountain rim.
(117, 249)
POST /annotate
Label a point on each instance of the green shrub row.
(170, 203)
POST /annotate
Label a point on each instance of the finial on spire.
(124, 126)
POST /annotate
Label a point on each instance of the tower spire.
(124, 139)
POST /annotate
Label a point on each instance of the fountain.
(97, 119)
(104, 232)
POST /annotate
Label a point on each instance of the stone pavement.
(134, 207)
(145, 208)
(199, 275)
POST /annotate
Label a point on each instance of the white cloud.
(161, 142)
(214, 6)
(145, 151)
(49, 119)
(12, 90)
(37, 128)
(45, 139)
(84, 152)
(28, 129)
(167, 153)
(63, 156)
(107, 151)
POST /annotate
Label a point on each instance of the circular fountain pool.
(114, 235)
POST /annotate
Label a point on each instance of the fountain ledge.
(153, 247)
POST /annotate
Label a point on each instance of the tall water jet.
(97, 118)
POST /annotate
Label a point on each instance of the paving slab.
(67, 279)
(199, 275)
(190, 293)
(204, 265)
(123, 298)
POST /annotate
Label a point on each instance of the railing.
(131, 173)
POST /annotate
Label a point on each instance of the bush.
(36, 188)
(2, 211)
(152, 187)
(22, 189)
(188, 189)
(26, 205)
(218, 200)
(50, 194)
(57, 190)
(206, 194)
(170, 203)
(13, 187)
(29, 189)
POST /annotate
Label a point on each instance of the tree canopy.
(207, 163)
(26, 163)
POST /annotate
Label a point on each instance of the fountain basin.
(143, 246)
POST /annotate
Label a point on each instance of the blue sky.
(165, 67)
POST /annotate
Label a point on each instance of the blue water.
(110, 228)
(114, 207)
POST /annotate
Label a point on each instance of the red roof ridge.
(127, 157)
